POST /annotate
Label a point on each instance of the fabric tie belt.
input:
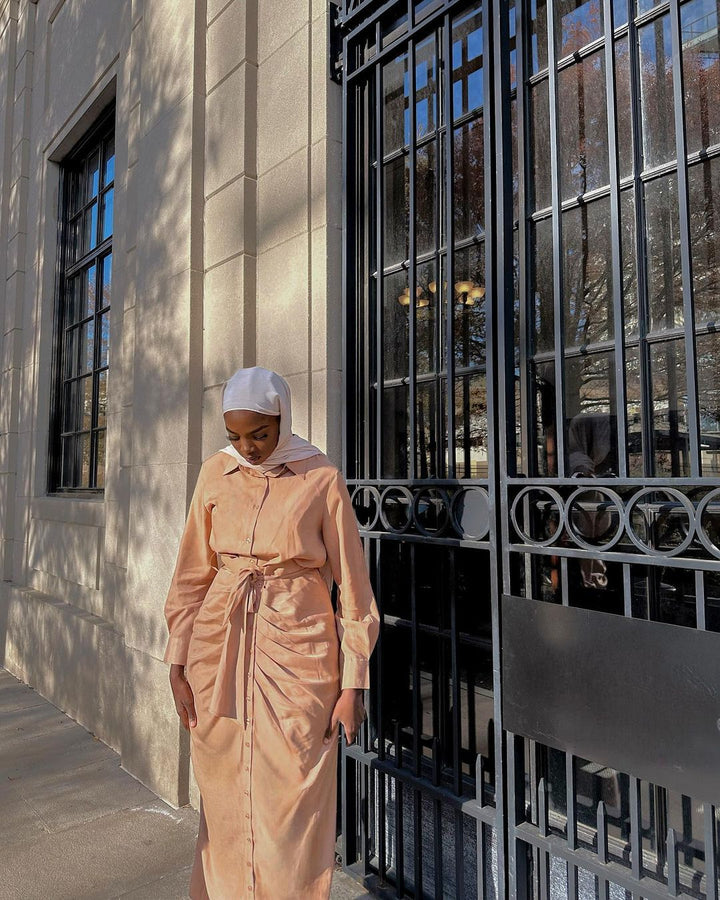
(237, 658)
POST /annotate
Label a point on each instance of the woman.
(262, 669)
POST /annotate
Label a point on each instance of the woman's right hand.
(183, 696)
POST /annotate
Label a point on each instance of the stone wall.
(226, 253)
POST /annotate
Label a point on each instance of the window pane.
(87, 346)
(396, 450)
(540, 143)
(538, 35)
(583, 136)
(476, 702)
(704, 187)
(471, 427)
(427, 434)
(100, 477)
(623, 94)
(669, 393)
(712, 598)
(663, 253)
(74, 191)
(84, 460)
(426, 303)
(104, 324)
(467, 63)
(587, 273)
(425, 87)
(86, 389)
(425, 198)
(70, 352)
(708, 364)
(74, 248)
(620, 12)
(69, 394)
(107, 216)
(545, 417)
(591, 411)
(109, 163)
(90, 229)
(89, 291)
(73, 303)
(106, 282)
(577, 23)
(69, 455)
(628, 258)
(102, 398)
(701, 73)
(656, 88)
(396, 214)
(469, 313)
(634, 413)
(92, 179)
(396, 117)
(395, 326)
(541, 274)
(469, 180)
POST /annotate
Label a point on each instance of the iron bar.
(449, 292)
(558, 304)
(616, 244)
(693, 423)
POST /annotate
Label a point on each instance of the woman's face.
(252, 434)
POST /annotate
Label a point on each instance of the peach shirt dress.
(250, 616)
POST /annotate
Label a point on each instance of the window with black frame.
(82, 324)
(418, 449)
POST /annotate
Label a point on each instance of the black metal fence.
(533, 429)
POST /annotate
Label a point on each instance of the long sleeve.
(357, 614)
(194, 571)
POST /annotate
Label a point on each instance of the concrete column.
(299, 204)
(168, 372)
(17, 399)
(11, 297)
(230, 204)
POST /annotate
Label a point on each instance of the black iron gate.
(532, 281)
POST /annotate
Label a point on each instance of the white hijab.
(262, 391)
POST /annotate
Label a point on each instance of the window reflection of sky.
(467, 50)
(577, 24)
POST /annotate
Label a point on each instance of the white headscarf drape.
(266, 392)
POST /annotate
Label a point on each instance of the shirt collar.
(297, 466)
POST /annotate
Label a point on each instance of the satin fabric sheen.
(249, 615)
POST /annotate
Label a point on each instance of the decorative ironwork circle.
(392, 501)
(436, 501)
(470, 513)
(557, 500)
(366, 497)
(702, 508)
(668, 492)
(580, 539)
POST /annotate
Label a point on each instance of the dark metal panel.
(642, 697)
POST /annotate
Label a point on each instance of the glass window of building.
(82, 326)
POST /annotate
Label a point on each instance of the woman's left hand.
(349, 710)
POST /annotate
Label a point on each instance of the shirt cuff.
(176, 651)
(355, 673)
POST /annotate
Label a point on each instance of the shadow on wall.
(109, 674)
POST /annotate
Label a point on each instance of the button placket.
(249, 699)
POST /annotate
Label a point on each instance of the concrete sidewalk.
(75, 826)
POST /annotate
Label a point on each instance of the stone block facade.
(226, 252)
